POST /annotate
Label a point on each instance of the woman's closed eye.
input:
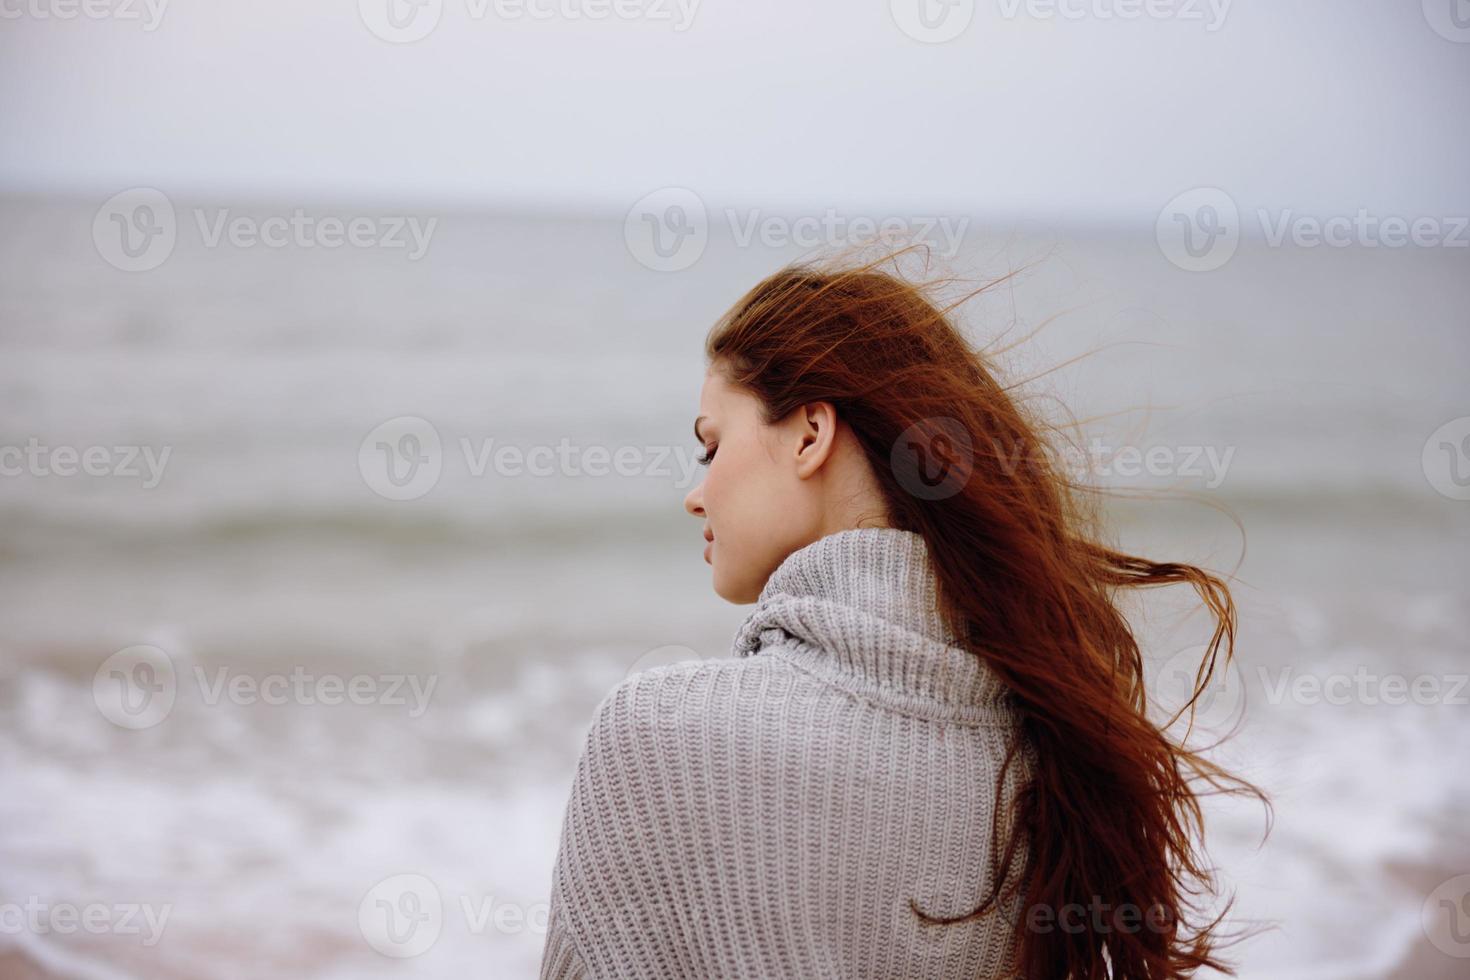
(708, 456)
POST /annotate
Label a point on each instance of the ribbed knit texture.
(771, 815)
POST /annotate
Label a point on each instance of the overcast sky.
(1319, 105)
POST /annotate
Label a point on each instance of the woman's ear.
(816, 436)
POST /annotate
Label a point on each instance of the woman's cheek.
(714, 491)
(711, 494)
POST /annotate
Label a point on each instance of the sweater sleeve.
(560, 960)
(652, 879)
(605, 872)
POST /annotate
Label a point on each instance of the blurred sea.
(264, 550)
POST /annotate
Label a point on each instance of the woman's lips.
(707, 551)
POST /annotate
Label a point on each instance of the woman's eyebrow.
(697, 434)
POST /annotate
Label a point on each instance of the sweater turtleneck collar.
(859, 609)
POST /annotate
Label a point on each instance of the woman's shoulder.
(696, 699)
(663, 755)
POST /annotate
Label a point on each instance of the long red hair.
(1111, 809)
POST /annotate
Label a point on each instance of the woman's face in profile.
(755, 508)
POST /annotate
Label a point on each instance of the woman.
(930, 756)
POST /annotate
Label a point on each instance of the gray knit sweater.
(771, 815)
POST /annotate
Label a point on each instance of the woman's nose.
(694, 502)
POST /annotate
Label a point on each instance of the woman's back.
(774, 815)
(938, 645)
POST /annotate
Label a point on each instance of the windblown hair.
(1111, 810)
